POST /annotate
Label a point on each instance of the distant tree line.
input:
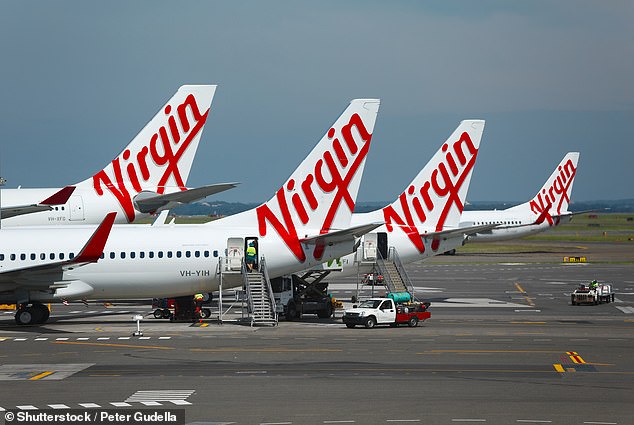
(222, 208)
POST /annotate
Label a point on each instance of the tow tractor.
(595, 293)
(393, 311)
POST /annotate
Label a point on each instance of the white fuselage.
(513, 224)
(407, 252)
(139, 261)
(84, 206)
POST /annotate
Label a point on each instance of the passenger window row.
(158, 254)
(497, 222)
(132, 255)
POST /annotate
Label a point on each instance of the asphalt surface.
(503, 346)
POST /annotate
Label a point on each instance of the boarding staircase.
(260, 299)
(395, 276)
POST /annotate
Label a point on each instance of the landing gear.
(34, 314)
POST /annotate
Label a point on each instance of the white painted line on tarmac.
(89, 405)
(468, 420)
(533, 421)
(41, 339)
(120, 404)
(601, 423)
(626, 310)
(58, 406)
(27, 407)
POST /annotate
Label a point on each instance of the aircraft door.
(382, 244)
(76, 208)
(369, 247)
(252, 253)
(234, 254)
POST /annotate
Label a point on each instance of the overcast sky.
(80, 79)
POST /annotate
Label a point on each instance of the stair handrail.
(382, 270)
(267, 282)
(394, 257)
(245, 284)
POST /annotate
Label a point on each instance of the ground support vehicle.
(181, 309)
(592, 294)
(163, 307)
(379, 311)
(306, 294)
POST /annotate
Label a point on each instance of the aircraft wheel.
(24, 316)
(42, 313)
(206, 313)
(158, 313)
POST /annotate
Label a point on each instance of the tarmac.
(503, 346)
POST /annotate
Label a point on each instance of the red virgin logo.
(555, 195)
(443, 186)
(165, 148)
(329, 175)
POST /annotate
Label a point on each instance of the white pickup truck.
(378, 311)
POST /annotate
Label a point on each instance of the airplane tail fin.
(434, 200)
(160, 157)
(320, 194)
(554, 196)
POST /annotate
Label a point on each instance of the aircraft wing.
(149, 202)
(345, 235)
(58, 198)
(90, 253)
(468, 230)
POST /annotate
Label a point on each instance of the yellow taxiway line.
(41, 375)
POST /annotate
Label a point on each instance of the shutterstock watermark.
(93, 416)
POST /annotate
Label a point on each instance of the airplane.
(424, 220)
(547, 209)
(148, 175)
(305, 223)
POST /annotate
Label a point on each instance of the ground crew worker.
(251, 255)
(198, 307)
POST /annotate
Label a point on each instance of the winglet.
(93, 249)
(60, 197)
